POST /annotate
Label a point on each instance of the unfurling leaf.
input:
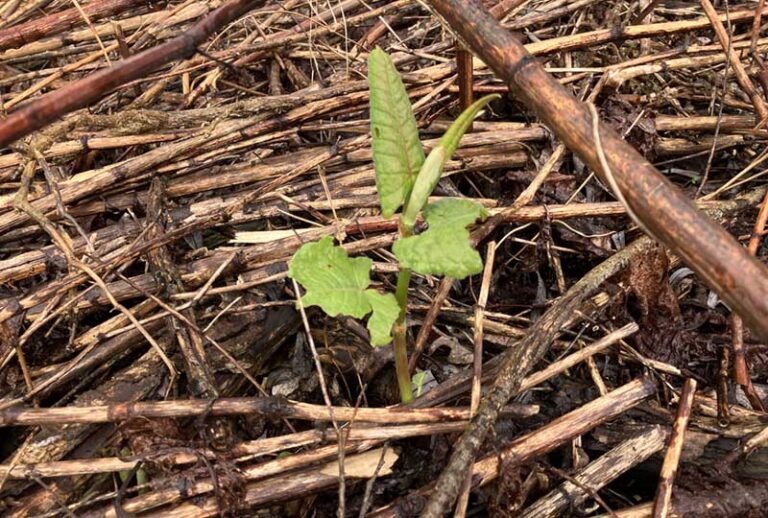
(451, 138)
(397, 151)
(432, 170)
(338, 284)
(430, 174)
(444, 248)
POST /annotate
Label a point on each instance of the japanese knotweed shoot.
(404, 178)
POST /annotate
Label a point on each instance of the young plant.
(404, 178)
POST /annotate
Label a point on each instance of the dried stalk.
(271, 407)
(738, 69)
(61, 22)
(598, 474)
(543, 440)
(85, 91)
(663, 500)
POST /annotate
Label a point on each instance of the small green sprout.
(404, 178)
(418, 381)
(142, 477)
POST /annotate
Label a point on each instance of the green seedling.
(418, 381)
(340, 284)
(141, 474)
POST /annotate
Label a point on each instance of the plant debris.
(163, 162)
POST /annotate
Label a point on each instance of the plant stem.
(401, 293)
(399, 342)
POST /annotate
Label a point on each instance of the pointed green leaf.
(397, 151)
(337, 283)
(451, 138)
(418, 381)
(444, 248)
(385, 312)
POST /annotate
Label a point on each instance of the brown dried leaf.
(648, 282)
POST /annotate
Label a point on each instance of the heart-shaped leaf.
(338, 284)
(444, 248)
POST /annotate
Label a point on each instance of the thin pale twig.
(477, 364)
(326, 396)
(663, 501)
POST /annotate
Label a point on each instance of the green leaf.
(444, 248)
(333, 280)
(397, 151)
(385, 312)
(418, 381)
(426, 182)
(451, 138)
(337, 283)
(432, 170)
